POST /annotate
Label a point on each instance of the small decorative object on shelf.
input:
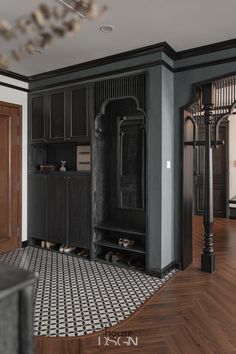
(63, 168)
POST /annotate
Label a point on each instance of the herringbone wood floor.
(194, 313)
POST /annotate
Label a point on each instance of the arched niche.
(119, 166)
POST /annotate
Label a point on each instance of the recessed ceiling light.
(107, 28)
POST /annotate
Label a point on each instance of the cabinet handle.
(68, 138)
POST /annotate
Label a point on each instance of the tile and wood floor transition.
(194, 313)
(74, 296)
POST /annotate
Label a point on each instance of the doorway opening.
(10, 176)
(214, 110)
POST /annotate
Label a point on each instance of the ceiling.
(183, 24)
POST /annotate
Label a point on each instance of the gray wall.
(161, 179)
(168, 93)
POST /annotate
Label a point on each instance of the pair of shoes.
(83, 253)
(66, 249)
(114, 257)
(135, 262)
(125, 242)
(117, 257)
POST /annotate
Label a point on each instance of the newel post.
(208, 256)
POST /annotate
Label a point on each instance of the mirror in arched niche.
(120, 161)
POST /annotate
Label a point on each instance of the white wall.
(21, 98)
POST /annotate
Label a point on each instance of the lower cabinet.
(79, 217)
(56, 214)
(37, 201)
(59, 208)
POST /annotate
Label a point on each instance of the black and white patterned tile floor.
(74, 296)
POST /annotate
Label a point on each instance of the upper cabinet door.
(56, 121)
(37, 118)
(78, 122)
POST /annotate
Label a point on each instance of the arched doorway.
(204, 119)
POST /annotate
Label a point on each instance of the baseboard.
(24, 244)
(161, 273)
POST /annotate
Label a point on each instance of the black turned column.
(208, 257)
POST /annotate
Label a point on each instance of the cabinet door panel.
(57, 116)
(37, 118)
(78, 117)
(37, 206)
(57, 209)
(79, 219)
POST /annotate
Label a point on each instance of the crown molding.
(206, 49)
(2, 83)
(15, 76)
(155, 48)
(135, 53)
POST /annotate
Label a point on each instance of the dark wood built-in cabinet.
(104, 208)
(56, 208)
(59, 202)
(60, 115)
(59, 208)
(79, 210)
(78, 122)
(37, 122)
(37, 191)
(57, 116)
(119, 207)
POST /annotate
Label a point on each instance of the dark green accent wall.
(170, 85)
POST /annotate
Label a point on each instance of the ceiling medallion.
(35, 32)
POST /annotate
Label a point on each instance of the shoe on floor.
(108, 256)
(62, 247)
(49, 244)
(116, 258)
(43, 244)
(83, 253)
(69, 249)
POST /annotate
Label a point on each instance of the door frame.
(19, 153)
(186, 176)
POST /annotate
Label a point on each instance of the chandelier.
(37, 30)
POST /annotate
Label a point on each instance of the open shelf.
(69, 172)
(109, 244)
(115, 226)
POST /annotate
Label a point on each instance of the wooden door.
(10, 176)
(57, 208)
(79, 215)
(220, 169)
(37, 206)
